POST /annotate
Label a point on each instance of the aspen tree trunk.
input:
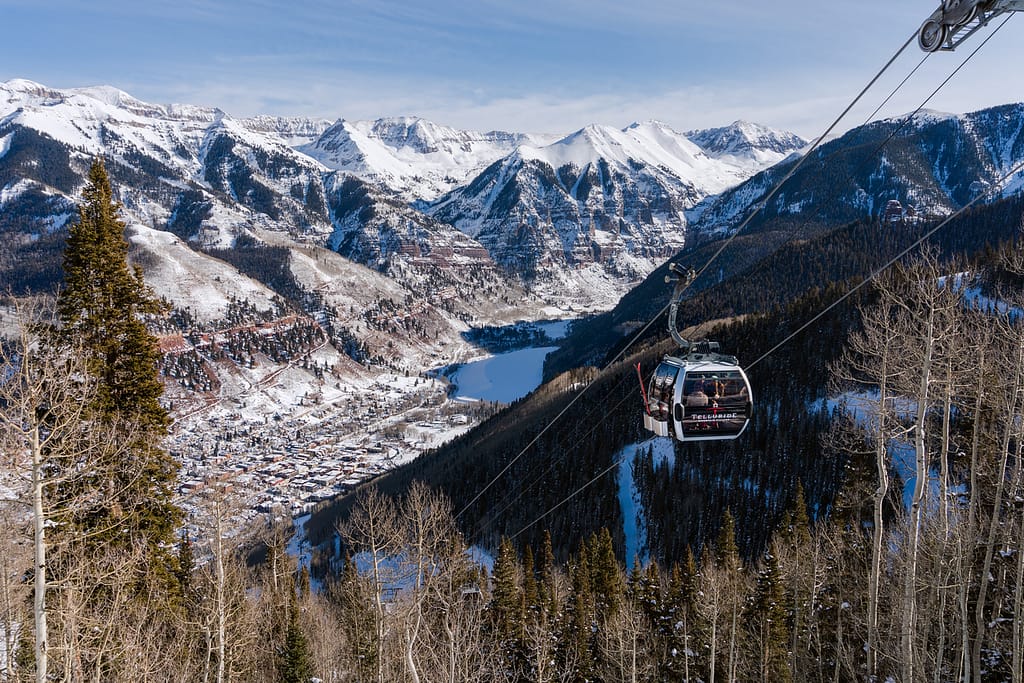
(1018, 609)
(967, 538)
(714, 649)
(378, 604)
(947, 445)
(633, 654)
(839, 644)
(1015, 536)
(945, 560)
(208, 659)
(372, 528)
(878, 530)
(449, 633)
(220, 598)
(39, 545)
(994, 522)
(909, 618)
(733, 645)
(686, 647)
(9, 619)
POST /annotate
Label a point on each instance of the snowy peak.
(19, 89)
(651, 144)
(743, 140)
(412, 157)
(416, 134)
(294, 130)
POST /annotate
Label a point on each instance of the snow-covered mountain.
(602, 200)
(413, 157)
(588, 215)
(747, 145)
(933, 162)
(217, 183)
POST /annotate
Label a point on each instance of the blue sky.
(525, 65)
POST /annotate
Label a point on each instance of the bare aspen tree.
(235, 622)
(1007, 397)
(870, 363)
(43, 422)
(15, 556)
(372, 531)
(625, 646)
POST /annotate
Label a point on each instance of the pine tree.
(352, 598)
(531, 591)
(766, 621)
(101, 307)
(296, 663)
(727, 554)
(507, 606)
(547, 593)
(606, 578)
(685, 630)
(577, 640)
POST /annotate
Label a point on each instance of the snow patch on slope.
(416, 158)
(180, 274)
(633, 520)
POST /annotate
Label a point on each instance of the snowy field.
(633, 524)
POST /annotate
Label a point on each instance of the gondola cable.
(778, 186)
(1016, 169)
(495, 514)
(639, 334)
(998, 184)
(702, 394)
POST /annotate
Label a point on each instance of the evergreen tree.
(685, 630)
(507, 606)
(296, 664)
(101, 307)
(606, 577)
(531, 591)
(546, 589)
(352, 598)
(766, 621)
(577, 642)
(727, 554)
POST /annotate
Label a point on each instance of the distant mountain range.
(578, 219)
(537, 225)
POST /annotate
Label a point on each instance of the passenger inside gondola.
(695, 395)
(734, 393)
(661, 392)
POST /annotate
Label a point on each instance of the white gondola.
(957, 20)
(703, 395)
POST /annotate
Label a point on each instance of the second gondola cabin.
(699, 397)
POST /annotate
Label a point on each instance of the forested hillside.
(876, 536)
(549, 453)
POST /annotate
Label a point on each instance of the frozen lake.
(504, 377)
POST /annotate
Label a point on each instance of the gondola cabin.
(701, 397)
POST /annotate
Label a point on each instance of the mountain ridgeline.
(579, 219)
